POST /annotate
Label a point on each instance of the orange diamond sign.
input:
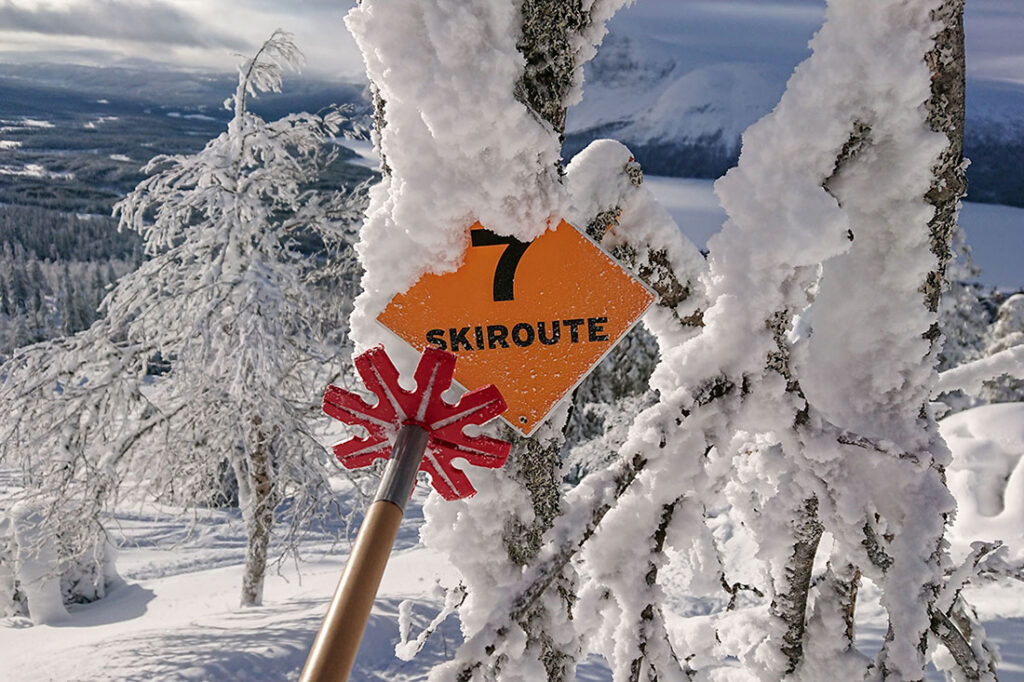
(533, 318)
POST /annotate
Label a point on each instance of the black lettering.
(595, 327)
(505, 271)
(497, 334)
(519, 339)
(478, 332)
(556, 333)
(459, 338)
(574, 327)
(435, 337)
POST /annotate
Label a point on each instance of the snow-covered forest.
(54, 271)
(807, 462)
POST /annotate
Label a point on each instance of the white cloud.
(194, 33)
(149, 21)
(211, 33)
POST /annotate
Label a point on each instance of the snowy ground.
(176, 616)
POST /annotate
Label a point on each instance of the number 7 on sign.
(505, 272)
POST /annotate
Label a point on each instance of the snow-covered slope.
(678, 82)
(987, 475)
(680, 116)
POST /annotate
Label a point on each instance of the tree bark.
(653, 634)
(546, 45)
(650, 264)
(946, 114)
(790, 604)
(537, 464)
(258, 514)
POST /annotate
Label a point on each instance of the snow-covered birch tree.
(797, 364)
(470, 129)
(223, 306)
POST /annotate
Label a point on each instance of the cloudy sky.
(211, 33)
(194, 33)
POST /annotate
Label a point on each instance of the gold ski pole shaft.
(334, 650)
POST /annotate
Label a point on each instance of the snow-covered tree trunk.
(916, 566)
(537, 54)
(945, 108)
(946, 115)
(550, 29)
(257, 507)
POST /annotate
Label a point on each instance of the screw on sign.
(427, 433)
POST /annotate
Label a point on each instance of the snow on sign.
(533, 318)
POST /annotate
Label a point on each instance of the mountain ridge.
(684, 117)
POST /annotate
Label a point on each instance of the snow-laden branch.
(803, 343)
(971, 377)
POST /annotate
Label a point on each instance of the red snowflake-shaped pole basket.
(424, 407)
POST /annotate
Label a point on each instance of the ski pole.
(430, 436)
(337, 643)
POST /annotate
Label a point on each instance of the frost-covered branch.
(589, 501)
(790, 604)
(656, 656)
(407, 649)
(262, 73)
(972, 376)
(606, 186)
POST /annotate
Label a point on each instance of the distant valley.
(73, 141)
(75, 138)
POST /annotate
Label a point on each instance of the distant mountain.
(148, 86)
(677, 121)
(74, 138)
(677, 85)
(681, 107)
